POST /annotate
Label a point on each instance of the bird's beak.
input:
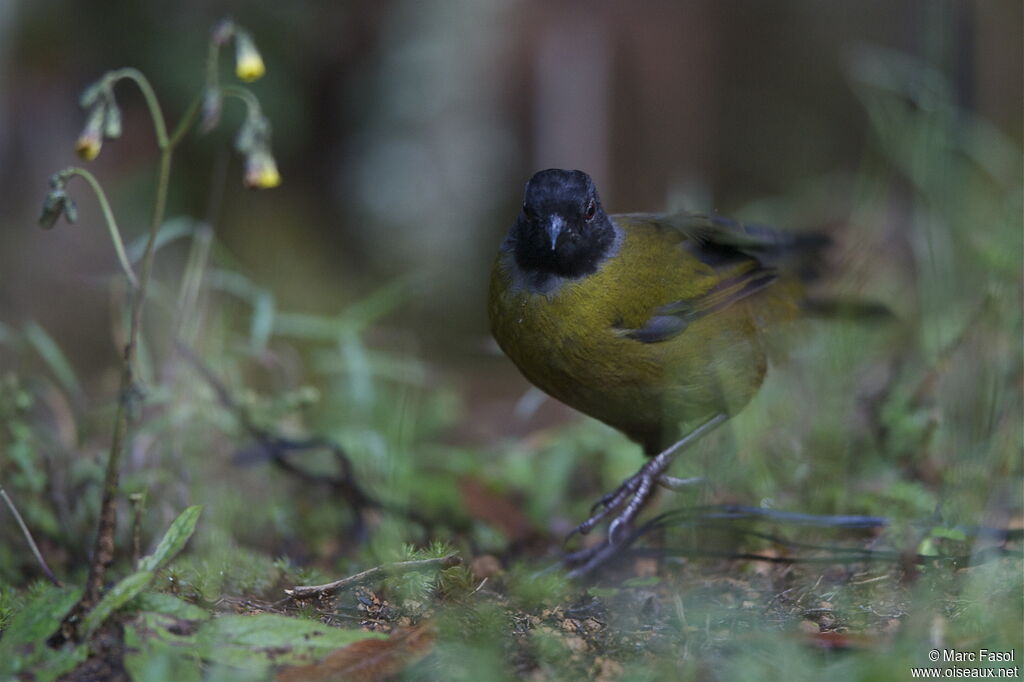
(554, 229)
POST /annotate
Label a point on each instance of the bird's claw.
(632, 493)
(631, 496)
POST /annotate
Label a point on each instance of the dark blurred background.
(405, 130)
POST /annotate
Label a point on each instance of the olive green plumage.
(656, 330)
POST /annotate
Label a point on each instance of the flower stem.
(251, 103)
(103, 548)
(108, 216)
(136, 76)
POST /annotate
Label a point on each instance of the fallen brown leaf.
(368, 660)
(495, 509)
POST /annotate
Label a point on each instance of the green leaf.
(155, 651)
(23, 648)
(130, 587)
(262, 321)
(255, 642)
(40, 617)
(43, 664)
(380, 302)
(168, 604)
(949, 534)
(171, 230)
(53, 356)
(122, 593)
(173, 541)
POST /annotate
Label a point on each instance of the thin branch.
(301, 591)
(278, 447)
(868, 555)
(586, 561)
(28, 537)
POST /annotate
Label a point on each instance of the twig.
(972, 559)
(728, 513)
(28, 537)
(278, 447)
(588, 560)
(452, 559)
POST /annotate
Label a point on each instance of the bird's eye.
(527, 211)
(591, 211)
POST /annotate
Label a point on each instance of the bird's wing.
(716, 231)
(724, 243)
(673, 318)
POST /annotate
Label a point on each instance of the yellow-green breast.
(570, 341)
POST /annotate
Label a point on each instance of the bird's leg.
(637, 489)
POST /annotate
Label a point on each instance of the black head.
(562, 229)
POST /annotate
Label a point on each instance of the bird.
(655, 324)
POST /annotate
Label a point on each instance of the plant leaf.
(368, 660)
(171, 230)
(173, 541)
(169, 605)
(53, 356)
(155, 649)
(119, 595)
(24, 653)
(256, 642)
(39, 618)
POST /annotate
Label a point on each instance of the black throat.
(572, 258)
(562, 230)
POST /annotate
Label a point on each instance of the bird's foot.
(630, 497)
(640, 484)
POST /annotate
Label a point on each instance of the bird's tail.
(848, 309)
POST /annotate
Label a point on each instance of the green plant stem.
(108, 216)
(28, 537)
(185, 124)
(251, 103)
(136, 76)
(103, 548)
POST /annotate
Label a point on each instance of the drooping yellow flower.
(248, 62)
(261, 171)
(88, 144)
(91, 139)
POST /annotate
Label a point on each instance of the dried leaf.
(495, 509)
(368, 660)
